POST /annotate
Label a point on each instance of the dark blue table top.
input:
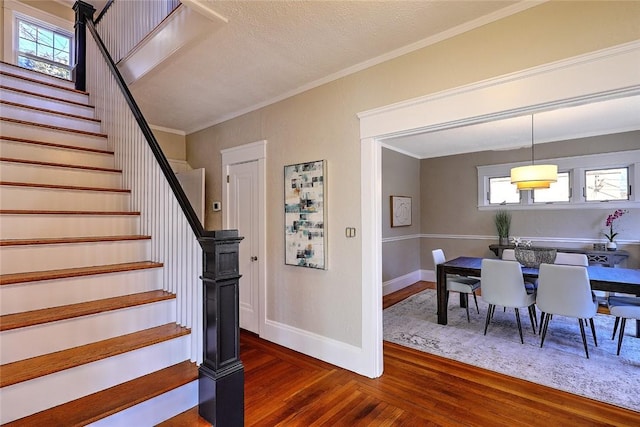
(627, 276)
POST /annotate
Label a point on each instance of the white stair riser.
(20, 400)
(35, 226)
(56, 336)
(56, 92)
(42, 117)
(43, 153)
(156, 410)
(36, 174)
(47, 103)
(36, 133)
(29, 296)
(25, 258)
(13, 69)
(34, 198)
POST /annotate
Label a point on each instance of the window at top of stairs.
(43, 49)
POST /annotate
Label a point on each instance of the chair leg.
(466, 306)
(519, 325)
(489, 314)
(532, 318)
(541, 321)
(615, 327)
(584, 337)
(622, 325)
(593, 331)
(476, 301)
(544, 324)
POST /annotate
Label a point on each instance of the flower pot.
(503, 241)
(612, 246)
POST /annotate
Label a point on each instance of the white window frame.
(576, 166)
(13, 10)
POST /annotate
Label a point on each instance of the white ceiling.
(270, 50)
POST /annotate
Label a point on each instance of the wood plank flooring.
(286, 388)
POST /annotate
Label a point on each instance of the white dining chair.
(623, 308)
(455, 283)
(565, 290)
(510, 255)
(568, 258)
(503, 285)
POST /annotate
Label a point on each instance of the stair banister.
(221, 382)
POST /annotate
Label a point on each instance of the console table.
(603, 258)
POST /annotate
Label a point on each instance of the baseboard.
(402, 282)
(326, 349)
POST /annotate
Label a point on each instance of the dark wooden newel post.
(221, 378)
(83, 11)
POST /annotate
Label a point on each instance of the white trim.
(535, 239)
(331, 351)
(562, 83)
(401, 282)
(400, 238)
(371, 362)
(168, 130)
(255, 151)
(452, 32)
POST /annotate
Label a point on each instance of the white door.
(243, 216)
(193, 185)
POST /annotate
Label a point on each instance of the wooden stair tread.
(52, 127)
(39, 366)
(63, 187)
(58, 165)
(54, 314)
(40, 212)
(54, 145)
(9, 279)
(63, 240)
(107, 402)
(40, 95)
(46, 110)
(17, 76)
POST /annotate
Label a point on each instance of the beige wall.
(455, 213)
(54, 8)
(174, 146)
(322, 124)
(400, 177)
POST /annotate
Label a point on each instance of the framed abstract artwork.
(304, 215)
(400, 211)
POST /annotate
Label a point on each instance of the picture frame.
(304, 215)
(400, 211)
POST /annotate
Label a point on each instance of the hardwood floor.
(286, 388)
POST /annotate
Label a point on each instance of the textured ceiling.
(269, 50)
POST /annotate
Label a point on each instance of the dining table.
(624, 280)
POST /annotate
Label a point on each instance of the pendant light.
(534, 176)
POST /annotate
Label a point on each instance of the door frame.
(255, 151)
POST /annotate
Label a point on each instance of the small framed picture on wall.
(400, 211)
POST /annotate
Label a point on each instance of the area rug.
(560, 364)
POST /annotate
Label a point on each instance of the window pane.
(27, 31)
(607, 184)
(501, 190)
(558, 192)
(45, 37)
(61, 57)
(45, 52)
(27, 46)
(44, 67)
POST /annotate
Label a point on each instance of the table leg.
(637, 328)
(441, 288)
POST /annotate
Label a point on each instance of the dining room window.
(559, 191)
(607, 184)
(586, 180)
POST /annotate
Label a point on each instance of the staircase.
(87, 335)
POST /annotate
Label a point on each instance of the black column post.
(83, 11)
(221, 375)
